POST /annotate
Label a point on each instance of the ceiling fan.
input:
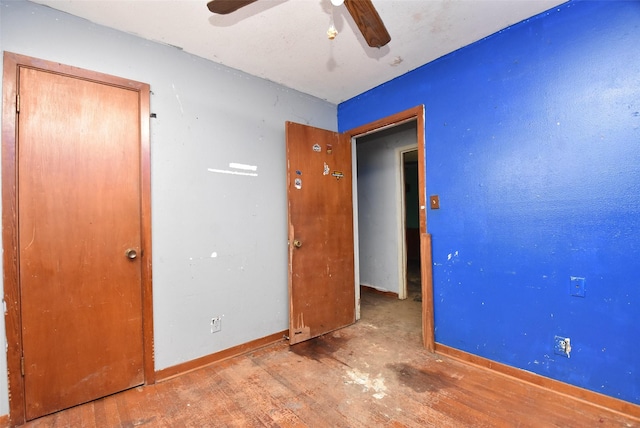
(362, 11)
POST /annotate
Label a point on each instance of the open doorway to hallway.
(388, 225)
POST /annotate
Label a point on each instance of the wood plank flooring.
(371, 374)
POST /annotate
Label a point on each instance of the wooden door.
(320, 213)
(79, 239)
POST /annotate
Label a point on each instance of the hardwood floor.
(371, 374)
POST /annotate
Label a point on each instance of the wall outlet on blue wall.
(577, 286)
(562, 346)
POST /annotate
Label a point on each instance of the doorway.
(382, 212)
(76, 235)
(417, 115)
(388, 213)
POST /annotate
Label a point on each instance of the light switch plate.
(434, 202)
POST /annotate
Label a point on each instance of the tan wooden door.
(320, 212)
(78, 215)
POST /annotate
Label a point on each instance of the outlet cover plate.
(216, 324)
(559, 346)
(577, 286)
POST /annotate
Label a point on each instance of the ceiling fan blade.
(223, 7)
(369, 22)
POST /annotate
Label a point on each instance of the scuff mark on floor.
(356, 377)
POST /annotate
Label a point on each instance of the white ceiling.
(285, 41)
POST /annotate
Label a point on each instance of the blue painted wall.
(533, 144)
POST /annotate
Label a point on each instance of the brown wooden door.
(320, 212)
(78, 214)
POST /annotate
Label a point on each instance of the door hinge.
(22, 365)
(17, 103)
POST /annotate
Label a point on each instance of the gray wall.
(207, 117)
(378, 221)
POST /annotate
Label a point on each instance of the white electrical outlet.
(562, 346)
(216, 324)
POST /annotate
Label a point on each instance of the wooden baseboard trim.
(590, 397)
(369, 289)
(198, 363)
(5, 421)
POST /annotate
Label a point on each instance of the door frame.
(12, 63)
(426, 265)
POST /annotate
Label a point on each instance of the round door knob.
(131, 254)
(297, 243)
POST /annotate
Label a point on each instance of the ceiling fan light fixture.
(363, 12)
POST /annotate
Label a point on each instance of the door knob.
(131, 254)
(297, 243)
